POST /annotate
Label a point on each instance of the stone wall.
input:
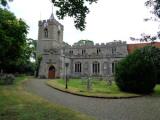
(113, 49)
(104, 54)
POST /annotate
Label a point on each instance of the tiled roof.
(132, 47)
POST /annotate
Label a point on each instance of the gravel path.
(142, 108)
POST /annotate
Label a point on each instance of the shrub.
(157, 64)
(158, 77)
(137, 72)
(155, 54)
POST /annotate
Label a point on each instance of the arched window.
(113, 50)
(114, 66)
(46, 33)
(78, 67)
(83, 51)
(98, 51)
(71, 52)
(96, 67)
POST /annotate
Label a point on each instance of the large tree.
(13, 42)
(84, 42)
(4, 2)
(156, 6)
(77, 9)
(26, 61)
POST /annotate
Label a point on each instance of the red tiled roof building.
(132, 47)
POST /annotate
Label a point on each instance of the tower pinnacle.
(52, 15)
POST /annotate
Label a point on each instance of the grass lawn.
(99, 88)
(17, 104)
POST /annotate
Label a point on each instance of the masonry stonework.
(83, 60)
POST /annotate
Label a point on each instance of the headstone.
(89, 83)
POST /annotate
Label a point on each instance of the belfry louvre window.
(96, 67)
(78, 67)
(58, 35)
(46, 33)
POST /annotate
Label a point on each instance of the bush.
(158, 77)
(7, 79)
(138, 72)
(157, 63)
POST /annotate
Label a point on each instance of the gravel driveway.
(142, 108)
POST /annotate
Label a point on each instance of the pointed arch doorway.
(51, 72)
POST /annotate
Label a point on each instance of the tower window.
(46, 33)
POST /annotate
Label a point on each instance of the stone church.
(59, 58)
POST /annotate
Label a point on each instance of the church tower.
(50, 40)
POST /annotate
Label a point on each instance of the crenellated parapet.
(50, 22)
(97, 45)
(111, 49)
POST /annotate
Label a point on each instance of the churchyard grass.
(99, 88)
(18, 104)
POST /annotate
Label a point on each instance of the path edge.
(92, 96)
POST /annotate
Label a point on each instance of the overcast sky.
(108, 20)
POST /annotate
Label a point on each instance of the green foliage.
(84, 42)
(156, 6)
(157, 63)
(32, 44)
(138, 71)
(13, 37)
(77, 9)
(145, 38)
(73, 8)
(3, 2)
(15, 48)
(155, 9)
(38, 63)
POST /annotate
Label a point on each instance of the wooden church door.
(51, 72)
